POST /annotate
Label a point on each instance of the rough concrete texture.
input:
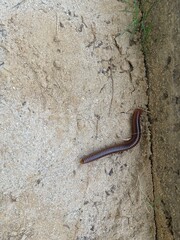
(164, 102)
(70, 81)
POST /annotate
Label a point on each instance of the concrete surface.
(164, 100)
(70, 79)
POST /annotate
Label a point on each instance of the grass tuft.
(139, 23)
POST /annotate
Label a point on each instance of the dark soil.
(162, 55)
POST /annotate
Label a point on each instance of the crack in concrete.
(117, 46)
(110, 69)
(18, 4)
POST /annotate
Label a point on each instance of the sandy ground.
(70, 79)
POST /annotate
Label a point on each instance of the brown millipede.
(136, 134)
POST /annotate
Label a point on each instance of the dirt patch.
(163, 70)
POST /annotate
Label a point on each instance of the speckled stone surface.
(70, 79)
